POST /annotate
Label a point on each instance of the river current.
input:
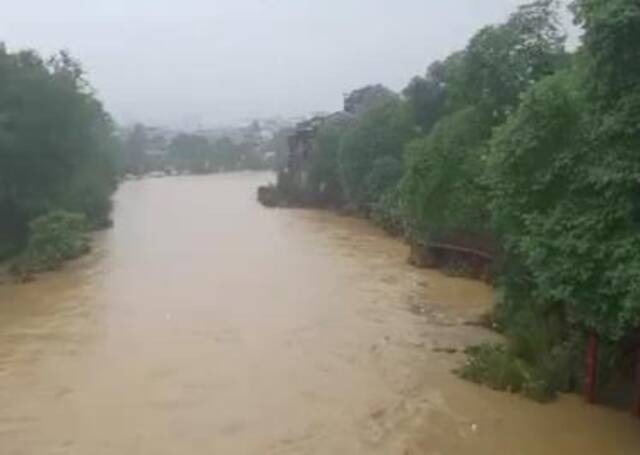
(203, 323)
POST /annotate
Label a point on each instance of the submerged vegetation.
(53, 239)
(520, 149)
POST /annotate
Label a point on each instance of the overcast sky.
(180, 62)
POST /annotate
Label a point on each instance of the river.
(203, 323)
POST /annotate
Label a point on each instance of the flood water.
(203, 323)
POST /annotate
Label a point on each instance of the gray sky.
(176, 62)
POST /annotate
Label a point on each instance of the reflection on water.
(205, 324)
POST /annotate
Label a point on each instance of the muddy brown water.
(203, 323)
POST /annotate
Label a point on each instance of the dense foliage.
(53, 238)
(515, 144)
(444, 193)
(565, 175)
(442, 190)
(57, 145)
(374, 144)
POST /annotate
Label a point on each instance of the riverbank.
(494, 361)
(58, 237)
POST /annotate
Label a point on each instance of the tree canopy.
(380, 133)
(57, 143)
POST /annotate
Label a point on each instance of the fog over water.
(190, 62)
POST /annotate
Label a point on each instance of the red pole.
(592, 369)
(636, 407)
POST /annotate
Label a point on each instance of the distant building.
(293, 180)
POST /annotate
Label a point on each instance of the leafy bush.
(498, 367)
(543, 354)
(53, 239)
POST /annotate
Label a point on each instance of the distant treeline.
(146, 150)
(534, 151)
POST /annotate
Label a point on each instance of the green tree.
(57, 145)
(381, 132)
(427, 96)
(612, 58)
(501, 62)
(367, 98)
(565, 171)
(458, 103)
(564, 179)
(443, 192)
